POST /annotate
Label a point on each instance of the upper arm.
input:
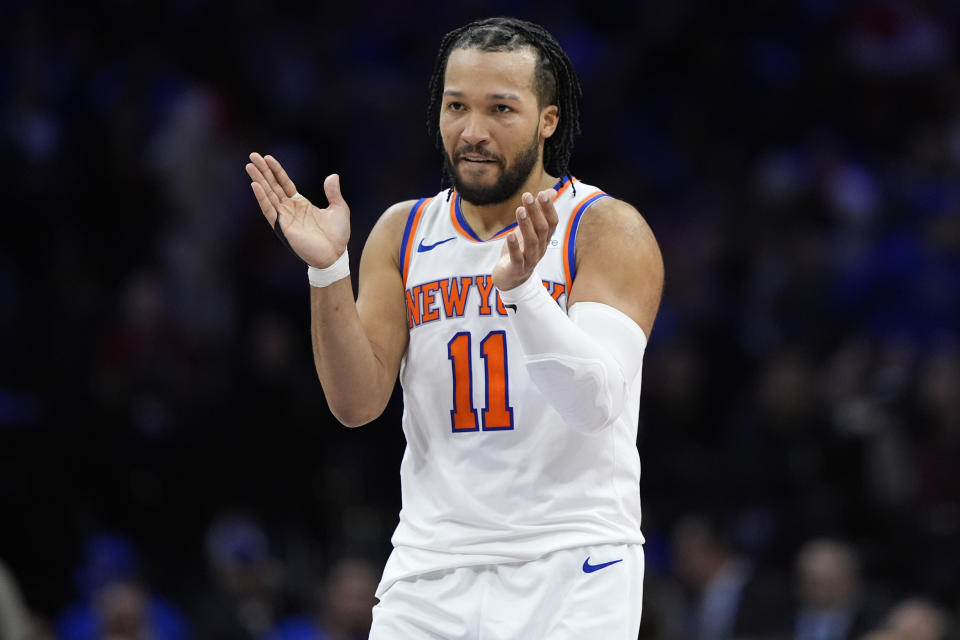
(618, 262)
(380, 300)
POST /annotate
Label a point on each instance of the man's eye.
(502, 108)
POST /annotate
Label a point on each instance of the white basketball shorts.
(581, 593)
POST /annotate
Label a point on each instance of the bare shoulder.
(396, 214)
(610, 223)
(387, 233)
(619, 261)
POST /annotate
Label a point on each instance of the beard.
(511, 178)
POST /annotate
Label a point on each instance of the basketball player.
(516, 308)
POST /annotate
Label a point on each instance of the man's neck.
(489, 219)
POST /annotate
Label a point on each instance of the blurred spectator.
(277, 388)
(789, 462)
(122, 607)
(346, 602)
(727, 596)
(146, 366)
(348, 599)
(938, 434)
(830, 598)
(192, 155)
(917, 619)
(114, 602)
(247, 596)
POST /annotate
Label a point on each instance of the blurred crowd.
(168, 467)
(243, 591)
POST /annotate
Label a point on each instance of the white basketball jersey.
(491, 473)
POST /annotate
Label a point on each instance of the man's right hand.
(317, 236)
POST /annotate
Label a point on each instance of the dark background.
(798, 161)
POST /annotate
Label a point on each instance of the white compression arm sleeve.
(584, 363)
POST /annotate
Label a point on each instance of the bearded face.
(471, 167)
(491, 123)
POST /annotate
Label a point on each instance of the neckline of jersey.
(461, 225)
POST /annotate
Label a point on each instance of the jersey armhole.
(570, 237)
(409, 233)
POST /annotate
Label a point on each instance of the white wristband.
(327, 276)
(527, 291)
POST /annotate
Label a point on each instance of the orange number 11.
(497, 414)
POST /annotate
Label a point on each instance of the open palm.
(318, 236)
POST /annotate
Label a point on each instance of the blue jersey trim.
(406, 231)
(571, 246)
(468, 229)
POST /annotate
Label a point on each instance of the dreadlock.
(554, 80)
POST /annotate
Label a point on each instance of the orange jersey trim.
(566, 183)
(570, 238)
(409, 234)
(460, 223)
(456, 222)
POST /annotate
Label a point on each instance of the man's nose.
(475, 132)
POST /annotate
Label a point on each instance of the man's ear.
(549, 118)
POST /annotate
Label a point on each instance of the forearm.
(354, 378)
(584, 364)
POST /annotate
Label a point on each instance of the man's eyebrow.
(490, 96)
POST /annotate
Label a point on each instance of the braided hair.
(554, 80)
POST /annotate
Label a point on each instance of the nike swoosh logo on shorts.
(427, 247)
(590, 568)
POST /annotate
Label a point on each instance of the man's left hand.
(525, 245)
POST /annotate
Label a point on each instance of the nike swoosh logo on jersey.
(510, 306)
(590, 568)
(427, 247)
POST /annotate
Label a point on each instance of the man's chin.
(477, 181)
(479, 175)
(475, 184)
(483, 195)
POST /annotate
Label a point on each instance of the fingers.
(270, 183)
(270, 212)
(286, 184)
(514, 248)
(526, 233)
(259, 179)
(535, 213)
(549, 212)
(537, 219)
